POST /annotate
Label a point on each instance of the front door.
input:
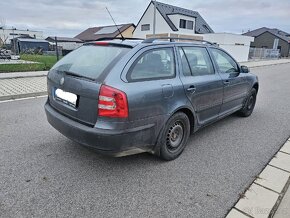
(202, 85)
(235, 84)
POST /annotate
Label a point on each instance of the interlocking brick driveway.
(22, 87)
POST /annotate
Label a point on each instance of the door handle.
(191, 89)
(226, 82)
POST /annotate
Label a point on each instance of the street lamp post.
(154, 19)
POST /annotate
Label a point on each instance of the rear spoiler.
(113, 42)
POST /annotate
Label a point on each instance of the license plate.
(66, 97)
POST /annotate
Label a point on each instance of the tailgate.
(86, 92)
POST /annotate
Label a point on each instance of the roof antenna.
(115, 24)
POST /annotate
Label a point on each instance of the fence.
(264, 53)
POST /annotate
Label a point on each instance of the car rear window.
(90, 60)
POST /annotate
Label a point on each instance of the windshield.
(90, 60)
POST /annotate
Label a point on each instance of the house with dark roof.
(67, 44)
(22, 45)
(95, 33)
(170, 20)
(272, 39)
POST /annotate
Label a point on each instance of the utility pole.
(154, 19)
(56, 49)
(14, 44)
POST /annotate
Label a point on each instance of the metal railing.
(264, 53)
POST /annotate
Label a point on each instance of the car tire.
(249, 104)
(174, 136)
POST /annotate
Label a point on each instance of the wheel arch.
(256, 86)
(190, 116)
(192, 119)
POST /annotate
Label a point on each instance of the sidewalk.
(261, 63)
(14, 88)
(269, 194)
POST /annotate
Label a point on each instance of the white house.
(179, 22)
(170, 19)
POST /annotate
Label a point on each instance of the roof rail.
(172, 39)
(120, 38)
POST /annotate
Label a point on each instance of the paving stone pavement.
(22, 87)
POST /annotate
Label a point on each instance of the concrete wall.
(69, 45)
(267, 40)
(236, 45)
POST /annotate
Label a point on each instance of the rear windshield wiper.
(77, 75)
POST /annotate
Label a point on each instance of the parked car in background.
(5, 54)
(129, 96)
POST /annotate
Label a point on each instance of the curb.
(15, 75)
(263, 197)
(26, 95)
(270, 65)
(19, 77)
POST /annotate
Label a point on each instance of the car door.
(235, 84)
(202, 85)
(150, 82)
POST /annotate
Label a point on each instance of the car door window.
(225, 63)
(196, 61)
(185, 67)
(153, 64)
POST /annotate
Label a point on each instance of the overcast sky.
(70, 17)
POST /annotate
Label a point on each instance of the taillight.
(112, 102)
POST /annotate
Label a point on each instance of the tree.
(3, 38)
(2, 22)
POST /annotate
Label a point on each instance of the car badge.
(61, 82)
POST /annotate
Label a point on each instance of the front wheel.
(174, 136)
(249, 105)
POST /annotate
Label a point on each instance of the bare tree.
(3, 38)
(2, 22)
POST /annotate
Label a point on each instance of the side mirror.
(245, 69)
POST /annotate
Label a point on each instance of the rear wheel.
(174, 136)
(249, 105)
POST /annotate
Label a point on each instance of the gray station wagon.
(123, 97)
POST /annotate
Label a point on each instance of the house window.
(145, 27)
(186, 24)
(189, 25)
(182, 24)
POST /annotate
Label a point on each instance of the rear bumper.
(111, 142)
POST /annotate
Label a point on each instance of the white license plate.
(66, 97)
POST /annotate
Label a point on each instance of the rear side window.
(153, 64)
(90, 60)
(225, 63)
(195, 61)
